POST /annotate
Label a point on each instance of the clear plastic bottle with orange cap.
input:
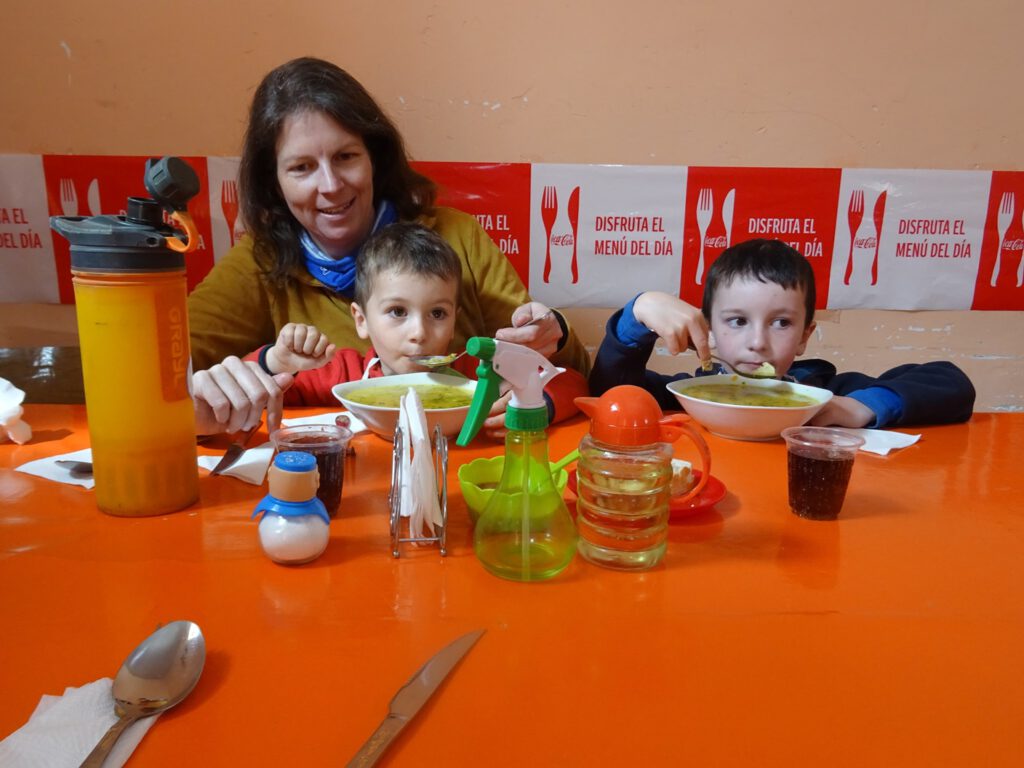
(624, 478)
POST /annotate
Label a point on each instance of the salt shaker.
(295, 527)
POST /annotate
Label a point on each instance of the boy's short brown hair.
(405, 247)
(770, 261)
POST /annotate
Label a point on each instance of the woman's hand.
(843, 412)
(233, 394)
(543, 336)
(677, 323)
(299, 348)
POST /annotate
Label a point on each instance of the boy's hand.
(843, 412)
(678, 324)
(299, 348)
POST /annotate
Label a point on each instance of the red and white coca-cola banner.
(596, 235)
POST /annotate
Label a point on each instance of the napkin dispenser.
(418, 498)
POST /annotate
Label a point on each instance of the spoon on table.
(157, 675)
(763, 371)
(441, 361)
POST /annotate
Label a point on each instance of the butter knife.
(234, 451)
(412, 696)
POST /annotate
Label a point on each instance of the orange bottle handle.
(675, 426)
(176, 244)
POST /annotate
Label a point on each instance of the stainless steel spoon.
(765, 371)
(441, 361)
(157, 675)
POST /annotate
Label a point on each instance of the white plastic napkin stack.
(63, 730)
(418, 491)
(11, 425)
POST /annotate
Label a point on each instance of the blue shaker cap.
(295, 461)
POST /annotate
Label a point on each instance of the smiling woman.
(322, 169)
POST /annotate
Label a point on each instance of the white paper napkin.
(48, 468)
(882, 441)
(354, 422)
(250, 467)
(418, 498)
(11, 425)
(63, 730)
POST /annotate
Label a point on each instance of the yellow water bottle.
(129, 279)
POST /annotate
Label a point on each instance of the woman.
(323, 168)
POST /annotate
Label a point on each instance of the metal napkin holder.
(440, 451)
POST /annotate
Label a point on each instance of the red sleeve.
(563, 389)
(314, 387)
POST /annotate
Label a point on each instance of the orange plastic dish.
(712, 493)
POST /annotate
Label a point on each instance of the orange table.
(891, 637)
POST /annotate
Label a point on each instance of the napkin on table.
(355, 424)
(47, 468)
(882, 441)
(63, 730)
(250, 467)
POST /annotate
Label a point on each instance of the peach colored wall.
(791, 83)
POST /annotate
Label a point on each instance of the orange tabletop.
(893, 636)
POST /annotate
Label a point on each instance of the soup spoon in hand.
(158, 674)
(763, 371)
(440, 361)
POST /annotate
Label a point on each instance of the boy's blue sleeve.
(886, 405)
(629, 330)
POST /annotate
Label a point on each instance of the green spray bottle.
(525, 532)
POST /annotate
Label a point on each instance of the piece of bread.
(682, 477)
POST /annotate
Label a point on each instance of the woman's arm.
(229, 311)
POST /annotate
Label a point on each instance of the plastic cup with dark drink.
(820, 464)
(328, 443)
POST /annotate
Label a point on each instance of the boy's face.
(754, 322)
(407, 314)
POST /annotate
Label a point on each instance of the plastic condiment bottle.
(624, 476)
(295, 527)
(129, 280)
(525, 533)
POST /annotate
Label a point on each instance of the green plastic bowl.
(479, 478)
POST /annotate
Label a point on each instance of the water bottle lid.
(624, 415)
(295, 461)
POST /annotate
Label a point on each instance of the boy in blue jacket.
(758, 307)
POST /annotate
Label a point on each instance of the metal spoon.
(441, 361)
(764, 371)
(155, 676)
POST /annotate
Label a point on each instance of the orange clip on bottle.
(129, 279)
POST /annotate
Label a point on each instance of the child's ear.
(807, 334)
(360, 318)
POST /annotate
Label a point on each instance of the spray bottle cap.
(527, 373)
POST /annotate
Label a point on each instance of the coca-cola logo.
(1014, 245)
(716, 242)
(865, 242)
(565, 239)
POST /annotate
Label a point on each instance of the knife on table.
(235, 450)
(412, 696)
